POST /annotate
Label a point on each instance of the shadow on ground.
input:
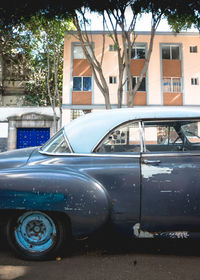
(111, 243)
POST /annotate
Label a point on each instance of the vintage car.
(137, 169)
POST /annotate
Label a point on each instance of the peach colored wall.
(190, 68)
(110, 68)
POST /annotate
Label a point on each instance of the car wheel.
(35, 235)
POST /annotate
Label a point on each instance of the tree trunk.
(95, 65)
(52, 100)
(133, 91)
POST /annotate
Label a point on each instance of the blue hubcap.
(35, 232)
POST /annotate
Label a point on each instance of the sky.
(143, 24)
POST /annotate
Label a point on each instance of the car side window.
(123, 139)
(172, 136)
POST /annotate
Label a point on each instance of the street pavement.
(97, 259)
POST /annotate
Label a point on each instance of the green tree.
(36, 45)
(47, 47)
(14, 55)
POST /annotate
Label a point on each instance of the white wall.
(6, 112)
(4, 130)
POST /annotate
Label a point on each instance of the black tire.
(35, 235)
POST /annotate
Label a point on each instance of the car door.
(170, 176)
(115, 163)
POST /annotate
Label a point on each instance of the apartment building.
(172, 78)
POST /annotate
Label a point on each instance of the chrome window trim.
(92, 155)
(142, 138)
(66, 139)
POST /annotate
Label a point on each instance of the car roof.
(87, 131)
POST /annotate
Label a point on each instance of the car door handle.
(146, 161)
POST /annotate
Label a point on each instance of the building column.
(12, 135)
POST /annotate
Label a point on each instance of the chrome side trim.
(175, 154)
(92, 155)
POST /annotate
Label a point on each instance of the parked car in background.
(137, 169)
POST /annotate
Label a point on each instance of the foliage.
(12, 15)
(32, 51)
(46, 21)
(47, 45)
(15, 52)
(182, 15)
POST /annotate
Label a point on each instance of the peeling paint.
(72, 209)
(140, 233)
(186, 165)
(149, 171)
(146, 234)
(17, 199)
(179, 234)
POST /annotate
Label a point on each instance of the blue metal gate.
(31, 137)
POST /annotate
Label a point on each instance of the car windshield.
(57, 144)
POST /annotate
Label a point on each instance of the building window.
(193, 49)
(194, 81)
(78, 113)
(138, 51)
(142, 86)
(82, 83)
(172, 85)
(170, 52)
(112, 79)
(78, 52)
(112, 48)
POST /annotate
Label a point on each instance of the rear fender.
(80, 197)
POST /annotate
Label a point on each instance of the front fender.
(82, 198)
